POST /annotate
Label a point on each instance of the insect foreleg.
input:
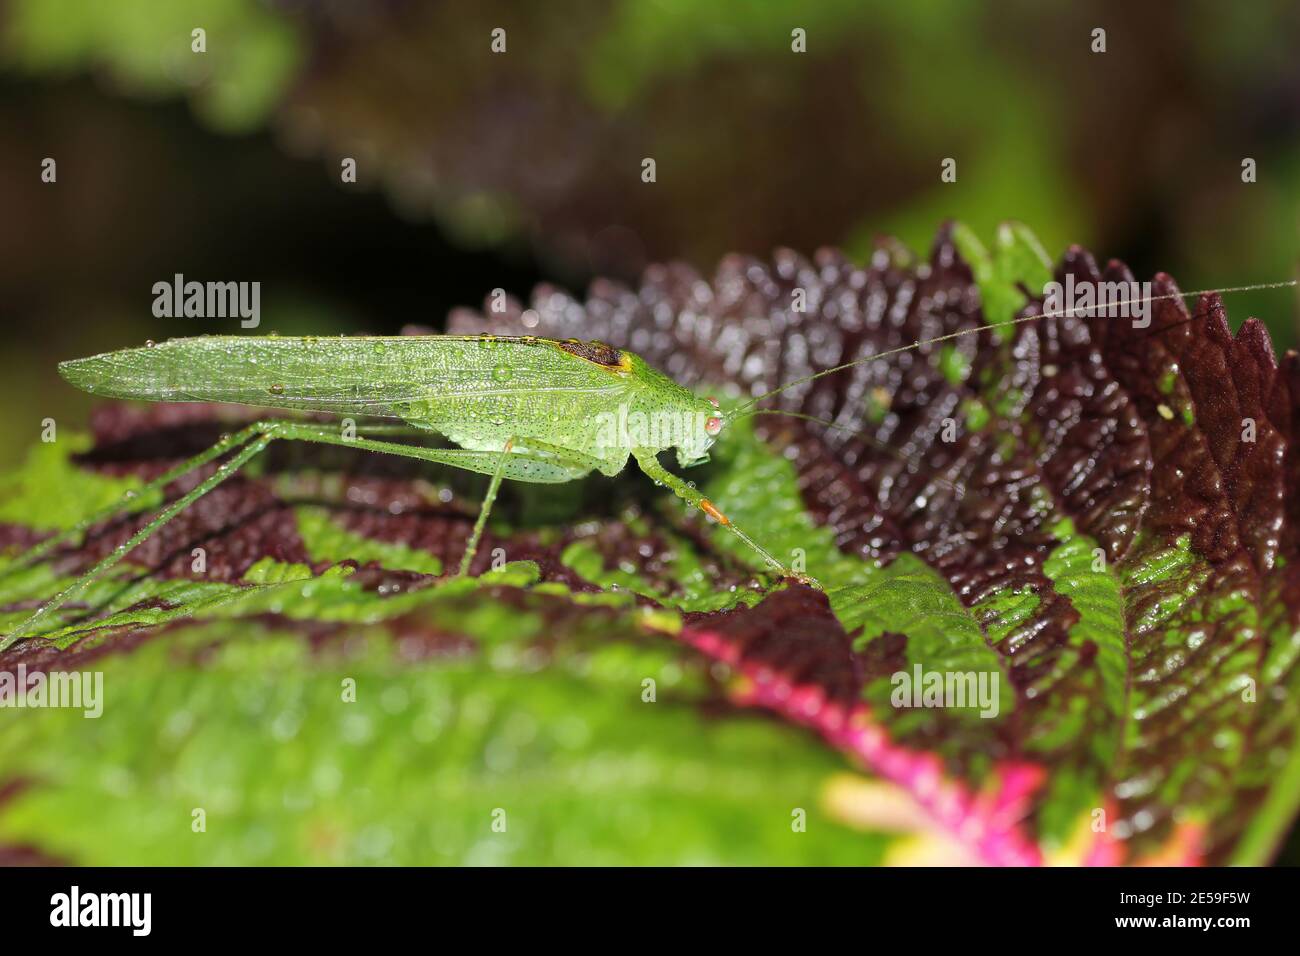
(650, 465)
(249, 449)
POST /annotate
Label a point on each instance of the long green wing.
(388, 376)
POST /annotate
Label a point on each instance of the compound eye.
(712, 427)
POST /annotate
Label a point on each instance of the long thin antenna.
(955, 488)
(736, 412)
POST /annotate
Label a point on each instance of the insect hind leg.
(250, 442)
(136, 500)
(543, 465)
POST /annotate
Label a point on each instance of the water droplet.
(502, 373)
(276, 389)
(149, 343)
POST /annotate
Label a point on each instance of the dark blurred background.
(479, 170)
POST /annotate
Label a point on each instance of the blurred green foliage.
(259, 736)
(148, 48)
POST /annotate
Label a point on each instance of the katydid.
(526, 408)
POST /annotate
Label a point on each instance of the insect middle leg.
(471, 546)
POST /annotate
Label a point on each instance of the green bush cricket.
(527, 408)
